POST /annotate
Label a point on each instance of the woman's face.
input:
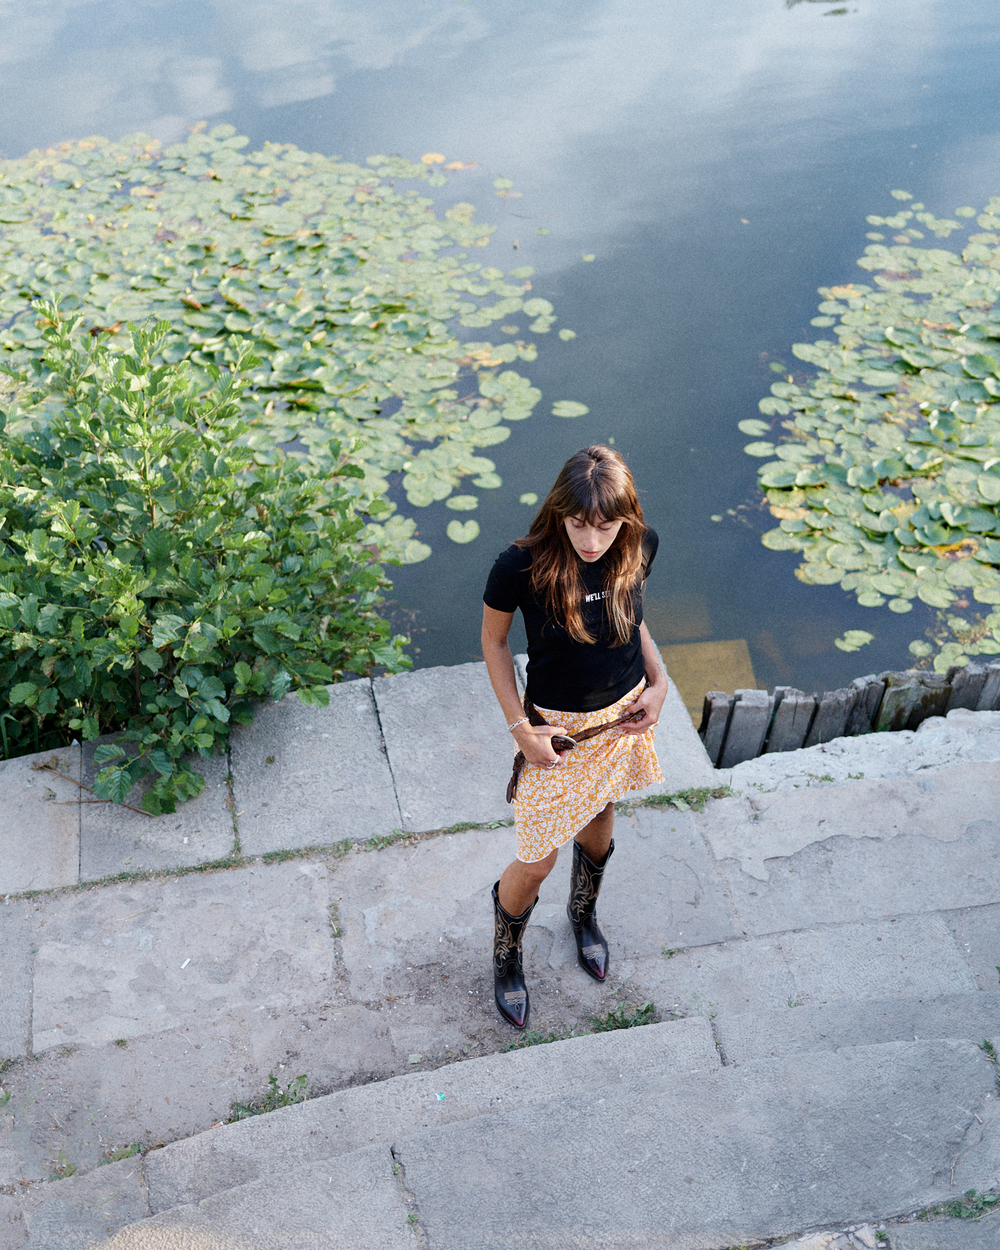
(590, 542)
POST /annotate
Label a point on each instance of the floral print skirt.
(552, 805)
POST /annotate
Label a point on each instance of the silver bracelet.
(511, 728)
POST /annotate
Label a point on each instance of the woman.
(577, 579)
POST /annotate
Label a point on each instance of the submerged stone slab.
(40, 821)
(138, 958)
(114, 838)
(311, 776)
(448, 746)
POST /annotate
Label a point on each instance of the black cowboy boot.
(584, 887)
(508, 977)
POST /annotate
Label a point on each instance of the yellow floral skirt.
(552, 805)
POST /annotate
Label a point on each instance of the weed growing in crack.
(63, 1168)
(532, 1037)
(971, 1206)
(623, 1017)
(274, 1097)
(124, 1152)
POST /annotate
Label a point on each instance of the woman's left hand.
(650, 702)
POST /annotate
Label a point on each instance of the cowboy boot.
(508, 977)
(584, 887)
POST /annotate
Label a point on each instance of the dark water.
(718, 160)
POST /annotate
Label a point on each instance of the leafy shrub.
(154, 580)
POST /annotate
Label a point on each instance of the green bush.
(154, 580)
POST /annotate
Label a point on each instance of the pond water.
(717, 162)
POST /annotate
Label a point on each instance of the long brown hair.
(594, 484)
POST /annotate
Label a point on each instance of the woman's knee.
(537, 872)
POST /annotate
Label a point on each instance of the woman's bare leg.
(520, 882)
(595, 837)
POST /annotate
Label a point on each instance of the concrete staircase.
(654, 1137)
(823, 960)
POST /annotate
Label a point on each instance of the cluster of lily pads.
(883, 467)
(347, 286)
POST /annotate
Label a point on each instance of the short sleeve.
(508, 578)
(650, 546)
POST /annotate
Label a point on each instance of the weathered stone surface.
(832, 715)
(749, 1036)
(792, 718)
(40, 821)
(976, 931)
(378, 1113)
(748, 724)
(714, 722)
(907, 958)
(115, 839)
(906, 873)
(448, 746)
(708, 1161)
(959, 738)
(312, 776)
(339, 1204)
(72, 1214)
(153, 955)
(937, 804)
(946, 1234)
(15, 979)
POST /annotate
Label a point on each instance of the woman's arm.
(534, 740)
(657, 685)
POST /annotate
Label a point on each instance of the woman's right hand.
(536, 743)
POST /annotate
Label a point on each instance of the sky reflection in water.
(719, 161)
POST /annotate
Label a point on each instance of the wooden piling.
(831, 716)
(793, 714)
(748, 724)
(714, 722)
(989, 698)
(966, 685)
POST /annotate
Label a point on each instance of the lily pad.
(462, 503)
(462, 531)
(569, 408)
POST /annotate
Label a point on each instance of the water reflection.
(718, 161)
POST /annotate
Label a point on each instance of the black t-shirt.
(563, 674)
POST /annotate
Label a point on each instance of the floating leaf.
(529, 497)
(462, 531)
(569, 408)
(588, 256)
(433, 158)
(759, 449)
(462, 503)
(567, 335)
(853, 640)
(753, 427)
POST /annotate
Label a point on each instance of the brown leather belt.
(559, 741)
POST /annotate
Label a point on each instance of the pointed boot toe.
(585, 885)
(509, 990)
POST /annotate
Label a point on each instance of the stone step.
(360, 1121)
(700, 1159)
(746, 1037)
